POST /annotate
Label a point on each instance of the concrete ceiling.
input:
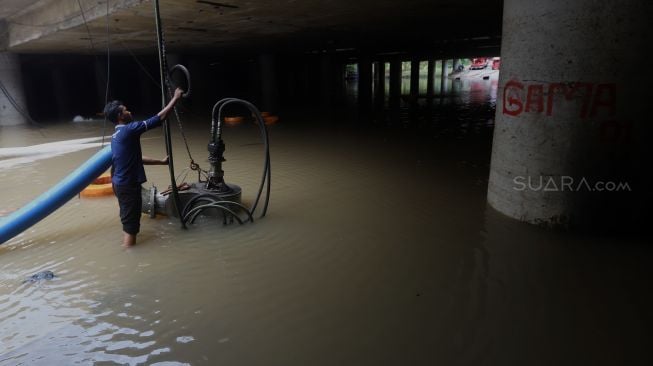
(58, 26)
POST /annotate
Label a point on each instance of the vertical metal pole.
(166, 126)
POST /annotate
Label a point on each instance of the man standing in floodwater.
(127, 170)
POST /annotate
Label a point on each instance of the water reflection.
(470, 100)
(378, 244)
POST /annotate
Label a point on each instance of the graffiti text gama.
(595, 98)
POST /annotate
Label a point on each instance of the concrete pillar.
(456, 64)
(379, 84)
(12, 84)
(395, 88)
(443, 78)
(430, 78)
(571, 121)
(269, 89)
(414, 80)
(364, 82)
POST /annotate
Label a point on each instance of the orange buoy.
(101, 186)
(233, 120)
(97, 190)
(270, 119)
(103, 179)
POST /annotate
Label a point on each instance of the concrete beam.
(57, 26)
(47, 17)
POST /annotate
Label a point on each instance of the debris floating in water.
(44, 275)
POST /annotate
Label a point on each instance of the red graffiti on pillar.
(535, 97)
(596, 102)
(571, 91)
(512, 104)
(593, 97)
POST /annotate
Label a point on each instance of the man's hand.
(164, 112)
(178, 93)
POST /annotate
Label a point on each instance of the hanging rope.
(193, 165)
(90, 39)
(106, 91)
(163, 66)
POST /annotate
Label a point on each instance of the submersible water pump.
(213, 196)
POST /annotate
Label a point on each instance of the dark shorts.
(130, 202)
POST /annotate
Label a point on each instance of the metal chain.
(193, 164)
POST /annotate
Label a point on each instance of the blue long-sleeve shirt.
(126, 149)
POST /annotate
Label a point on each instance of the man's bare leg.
(128, 240)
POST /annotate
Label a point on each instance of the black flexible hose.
(190, 211)
(197, 210)
(184, 70)
(216, 130)
(210, 199)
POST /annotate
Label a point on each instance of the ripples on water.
(377, 249)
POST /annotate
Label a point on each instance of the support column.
(379, 84)
(571, 123)
(11, 84)
(414, 90)
(443, 78)
(430, 78)
(364, 82)
(456, 64)
(395, 88)
(414, 80)
(269, 90)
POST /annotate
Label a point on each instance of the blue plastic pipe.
(54, 198)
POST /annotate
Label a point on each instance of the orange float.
(103, 179)
(270, 119)
(233, 120)
(101, 186)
